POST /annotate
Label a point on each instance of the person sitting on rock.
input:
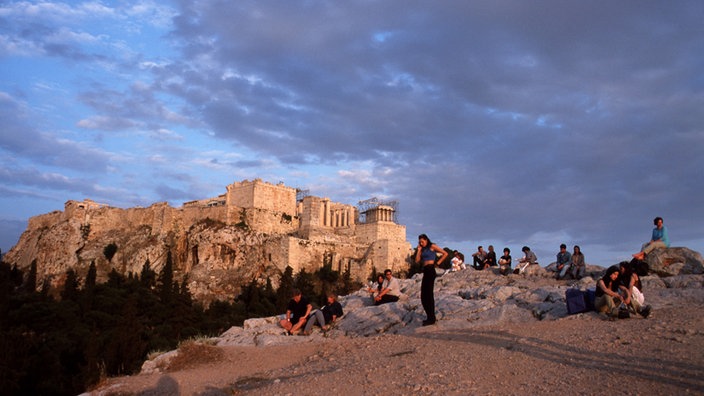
(632, 287)
(505, 262)
(659, 239)
(325, 316)
(375, 288)
(529, 258)
(390, 291)
(578, 266)
(563, 262)
(490, 260)
(297, 311)
(479, 258)
(607, 294)
(457, 261)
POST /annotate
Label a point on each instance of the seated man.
(297, 311)
(529, 258)
(563, 262)
(390, 290)
(479, 258)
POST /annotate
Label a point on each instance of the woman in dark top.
(375, 288)
(426, 253)
(505, 262)
(608, 298)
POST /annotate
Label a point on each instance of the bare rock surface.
(495, 335)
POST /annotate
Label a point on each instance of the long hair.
(578, 249)
(607, 276)
(423, 236)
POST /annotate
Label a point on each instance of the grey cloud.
(21, 137)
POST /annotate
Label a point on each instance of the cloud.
(20, 137)
(505, 121)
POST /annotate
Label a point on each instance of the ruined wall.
(262, 195)
(371, 232)
(320, 216)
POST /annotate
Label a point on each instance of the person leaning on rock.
(297, 311)
(325, 316)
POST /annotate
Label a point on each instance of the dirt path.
(581, 354)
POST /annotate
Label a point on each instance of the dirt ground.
(583, 354)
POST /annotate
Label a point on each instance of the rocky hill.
(254, 231)
(216, 257)
(495, 335)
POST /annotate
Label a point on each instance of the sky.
(504, 122)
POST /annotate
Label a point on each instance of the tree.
(30, 285)
(91, 276)
(165, 284)
(70, 291)
(283, 293)
(305, 282)
(109, 251)
(147, 276)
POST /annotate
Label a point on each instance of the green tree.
(305, 282)
(283, 293)
(165, 284)
(109, 251)
(148, 276)
(91, 276)
(70, 290)
(30, 285)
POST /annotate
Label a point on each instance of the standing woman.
(426, 253)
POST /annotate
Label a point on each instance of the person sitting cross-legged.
(297, 312)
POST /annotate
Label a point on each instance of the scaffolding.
(300, 194)
(372, 204)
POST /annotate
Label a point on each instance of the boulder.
(675, 261)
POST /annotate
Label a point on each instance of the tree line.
(65, 344)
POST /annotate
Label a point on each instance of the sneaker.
(428, 322)
(645, 311)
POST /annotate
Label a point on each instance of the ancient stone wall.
(371, 232)
(262, 195)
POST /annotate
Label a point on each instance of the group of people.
(618, 292)
(482, 260)
(301, 317)
(569, 264)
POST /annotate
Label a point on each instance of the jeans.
(316, 317)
